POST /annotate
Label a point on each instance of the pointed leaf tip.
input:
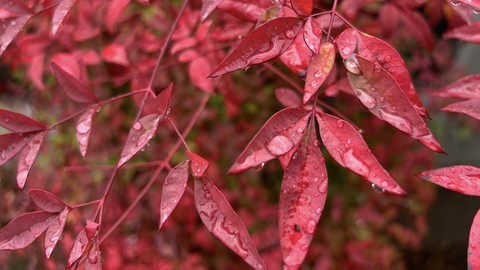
(318, 70)
(27, 157)
(46, 201)
(19, 123)
(199, 165)
(461, 178)
(172, 191)
(72, 85)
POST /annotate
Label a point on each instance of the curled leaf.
(54, 231)
(318, 70)
(474, 244)
(462, 178)
(27, 157)
(84, 129)
(46, 201)
(469, 107)
(172, 191)
(199, 165)
(73, 86)
(19, 123)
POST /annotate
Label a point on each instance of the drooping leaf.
(15, 14)
(288, 97)
(94, 260)
(469, 107)
(198, 164)
(348, 148)
(379, 92)
(46, 201)
(279, 134)
(54, 231)
(220, 219)
(173, 189)
(266, 42)
(302, 7)
(318, 70)
(61, 11)
(198, 69)
(140, 134)
(207, 7)
(27, 157)
(468, 33)
(84, 129)
(11, 144)
(73, 86)
(115, 9)
(24, 229)
(302, 198)
(464, 88)
(312, 34)
(461, 178)
(79, 245)
(474, 244)
(115, 54)
(19, 123)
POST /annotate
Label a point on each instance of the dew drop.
(387, 58)
(311, 226)
(315, 179)
(397, 121)
(346, 51)
(476, 10)
(7, 119)
(318, 74)
(366, 99)
(259, 167)
(339, 123)
(314, 84)
(208, 195)
(455, 2)
(318, 211)
(279, 145)
(137, 126)
(323, 187)
(377, 188)
(351, 64)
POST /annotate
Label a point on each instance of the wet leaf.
(298, 55)
(199, 165)
(474, 244)
(79, 245)
(266, 42)
(115, 9)
(318, 70)
(347, 42)
(61, 11)
(220, 219)
(207, 7)
(27, 157)
(173, 189)
(15, 14)
(468, 33)
(279, 134)
(24, 229)
(461, 178)
(46, 201)
(54, 231)
(84, 129)
(302, 199)
(312, 34)
(469, 107)
(198, 70)
(288, 97)
(379, 92)
(302, 7)
(72, 85)
(464, 88)
(19, 123)
(348, 148)
(115, 54)
(94, 260)
(11, 144)
(140, 134)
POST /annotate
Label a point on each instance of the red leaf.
(94, 261)
(312, 34)
(380, 93)
(468, 33)
(298, 55)
(46, 201)
(198, 70)
(54, 231)
(471, 3)
(161, 103)
(73, 86)
(266, 42)
(60, 13)
(474, 244)
(115, 54)
(418, 27)
(462, 178)
(349, 149)
(199, 165)
(318, 70)
(15, 15)
(19, 123)
(115, 9)
(140, 134)
(464, 88)
(24, 229)
(207, 8)
(11, 144)
(220, 219)
(302, 198)
(302, 7)
(172, 191)
(68, 63)
(469, 107)
(347, 42)
(27, 157)
(84, 129)
(79, 245)
(288, 97)
(279, 134)
(91, 229)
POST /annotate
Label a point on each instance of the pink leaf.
(140, 134)
(349, 149)
(27, 157)
(464, 88)
(84, 129)
(199, 165)
(46, 201)
(468, 33)
(379, 92)
(462, 178)
(172, 191)
(115, 9)
(312, 34)
(15, 15)
(298, 55)
(115, 54)
(318, 70)
(198, 70)
(207, 8)
(474, 244)
(24, 229)
(79, 245)
(19, 123)
(54, 231)
(266, 42)
(68, 63)
(11, 144)
(347, 42)
(94, 260)
(60, 13)
(302, 7)
(161, 103)
(279, 134)
(288, 97)
(302, 198)
(73, 86)
(91, 229)
(469, 107)
(220, 219)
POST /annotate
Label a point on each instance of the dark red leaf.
(418, 27)
(115, 54)
(468, 33)
(115, 9)
(94, 260)
(469, 107)
(73, 86)
(474, 244)
(318, 70)
(302, 198)
(464, 88)
(84, 129)
(198, 70)
(161, 103)
(312, 34)
(60, 13)
(172, 191)
(19, 123)
(279, 134)
(380, 93)
(11, 144)
(79, 245)
(24, 229)
(140, 134)
(302, 7)
(348, 148)
(220, 219)
(27, 157)
(266, 42)
(462, 178)
(207, 8)
(54, 231)
(46, 201)
(288, 97)
(15, 14)
(199, 165)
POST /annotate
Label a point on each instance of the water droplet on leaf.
(351, 64)
(365, 98)
(377, 188)
(279, 145)
(455, 2)
(318, 74)
(137, 126)
(259, 167)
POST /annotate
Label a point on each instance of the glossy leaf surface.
(84, 129)
(94, 260)
(54, 231)
(199, 165)
(173, 189)
(464, 88)
(79, 245)
(61, 11)
(262, 44)
(468, 33)
(474, 244)
(11, 144)
(27, 157)
(46, 201)
(318, 70)
(312, 34)
(19, 123)
(469, 107)
(302, 7)
(73, 86)
(220, 219)
(461, 178)
(15, 14)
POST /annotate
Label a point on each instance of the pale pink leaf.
(207, 7)
(318, 70)
(302, 199)
(198, 69)
(198, 164)
(84, 129)
(461, 178)
(19, 123)
(24, 229)
(288, 97)
(73, 86)
(11, 144)
(172, 191)
(469, 107)
(27, 157)
(14, 16)
(140, 134)
(54, 231)
(46, 201)
(348, 148)
(115, 9)
(115, 54)
(94, 260)
(464, 88)
(61, 11)
(312, 34)
(266, 42)
(220, 219)
(79, 245)
(473, 256)
(278, 136)
(468, 33)
(302, 7)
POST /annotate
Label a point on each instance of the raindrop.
(311, 226)
(316, 143)
(323, 187)
(387, 58)
(314, 84)
(7, 119)
(259, 167)
(205, 187)
(315, 179)
(137, 126)
(318, 211)
(377, 188)
(208, 195)
(318, 74)
(365, 98)
(299, 130)
(476, 10)
(279, 145)
(455, 2)
(384, 184)
(346, 50)
(353, 163)
(397, 121)
(351, 64)
(339, 123)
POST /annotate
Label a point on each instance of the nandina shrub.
(136, 112)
